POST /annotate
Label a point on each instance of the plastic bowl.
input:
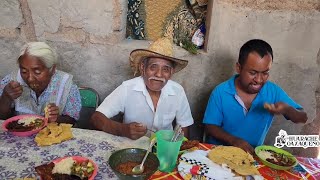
(81, 159)
(277, 150)
(133, 155)
(24, 133)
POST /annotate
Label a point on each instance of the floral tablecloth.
(19, 155)
(308, 168)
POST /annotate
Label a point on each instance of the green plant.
(189, 46)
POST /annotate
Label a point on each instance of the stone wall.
(90, 40)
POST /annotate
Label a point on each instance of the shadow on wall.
(220, 69)
(312, 128)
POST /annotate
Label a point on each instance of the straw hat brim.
(136, 56)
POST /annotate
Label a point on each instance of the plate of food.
(275, 158)
(220, 162)
(24, 125)
(186, 145)
(73, 167)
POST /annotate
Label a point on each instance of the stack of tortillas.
(236, 158)
(54, 133)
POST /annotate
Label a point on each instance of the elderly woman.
(38, 85)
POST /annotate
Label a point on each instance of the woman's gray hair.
(42, 51)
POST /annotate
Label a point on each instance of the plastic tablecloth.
(308, 168)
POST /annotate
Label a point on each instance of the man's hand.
(237, 142)
(295, 115)
(277, 108)
(135, 130)
(12, 91)
(53, 112)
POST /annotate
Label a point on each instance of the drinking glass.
(167, 151)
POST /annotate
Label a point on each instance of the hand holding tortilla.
(51, 112)
(277, 108)
(268, 106)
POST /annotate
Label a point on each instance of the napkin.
(195, 164)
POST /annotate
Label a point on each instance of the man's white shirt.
(133, 99)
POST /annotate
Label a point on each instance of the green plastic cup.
(167, 151)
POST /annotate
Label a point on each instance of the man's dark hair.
(254, 45)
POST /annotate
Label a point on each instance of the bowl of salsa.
(122, 162)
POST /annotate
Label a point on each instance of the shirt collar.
(141, 86)
(231, 88)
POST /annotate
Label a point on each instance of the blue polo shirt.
(226, 111)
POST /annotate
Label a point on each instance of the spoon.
(138, 169)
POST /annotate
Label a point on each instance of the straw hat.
(161, 48)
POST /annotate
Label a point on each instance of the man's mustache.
(157, 79)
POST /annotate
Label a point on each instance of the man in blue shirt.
(240, 110)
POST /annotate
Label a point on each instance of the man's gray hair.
(42, 51)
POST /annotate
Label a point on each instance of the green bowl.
(133, 155)
(277, 150)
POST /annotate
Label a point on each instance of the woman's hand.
(12, 91)
(53, 112)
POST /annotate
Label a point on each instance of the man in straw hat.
(149, 102)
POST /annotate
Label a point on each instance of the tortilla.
(54, 134)
(267, 106)
(55, 130)
(236, 158)
(46, 112)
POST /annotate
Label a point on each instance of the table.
(308, 168)
(19, 155)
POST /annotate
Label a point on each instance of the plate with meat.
(73, 167)
(275, 158)
(24, 125)
(185, 146)
(189, 144)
